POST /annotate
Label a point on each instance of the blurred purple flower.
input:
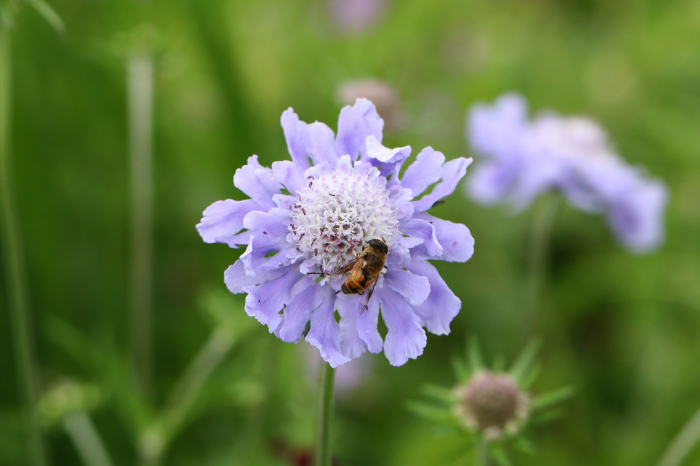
(316, 211)
(355, 16)
(523, 159)
(381, 93)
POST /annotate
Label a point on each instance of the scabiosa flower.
(491, 402)
(381, 93)
(316, 212)
(491, 405)
(356, 16)
(523, 159)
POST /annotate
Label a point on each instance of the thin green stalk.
(86, 439)
(323, 451)
(481, 452)
(155, 441)
(140, 103)
(14, 260)
(540, 234)
(684, 442)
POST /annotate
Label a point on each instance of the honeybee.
(362, 272)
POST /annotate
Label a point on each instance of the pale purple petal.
(452, 172)
(223, 222)
(636, 218)
(455, 239)
(354, 125)
(298, 311)
(422, 230)
(264, 302)
(441, 306)
(325, 331)
(288, 174)
(296, 135)
(320, 144)
(349, 308)
(405, 338)
(275, 222)
(497, 131)
(257, 182)
(263, 254)
(414, 288)
(367, 326)
(388, 160)
(426, 170)
(490, 183)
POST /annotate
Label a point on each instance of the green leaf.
(547, 417)
(460, 369)
(499, 364)
(530, 377)
(551, 398)
(499, 455)
(476, 362)
(430, 412)
(520, 369)
(525, 445)
(437, 393)
(49, 14)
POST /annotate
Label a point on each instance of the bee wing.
(369, 295)
(345, 270)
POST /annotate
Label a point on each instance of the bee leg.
(337, 292)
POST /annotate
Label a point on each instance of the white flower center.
(575, 138)
(337, 214)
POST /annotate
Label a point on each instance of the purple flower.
(316, 212)
(356, 16)
(523, 159)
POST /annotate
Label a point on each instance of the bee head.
(379, 244)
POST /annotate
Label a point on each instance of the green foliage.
(621, 329)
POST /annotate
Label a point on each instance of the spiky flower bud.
(491, 402)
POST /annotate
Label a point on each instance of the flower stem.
(482, 452)
(540, 234)
(14, 261)
(323, 451)
(86, 439)
(683, 443)
(140, 104)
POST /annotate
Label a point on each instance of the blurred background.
(621, 329)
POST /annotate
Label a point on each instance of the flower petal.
(325, 331)
(452, 172)
(354, 125)
(275, 222)
(455, 239)
(264, 302)
(265, 253)
(497, 131)
(349, 308)
(296, 134)
(420, 229)
(257, 182)
(388, 160)
(288, 175)
(223, 222)
(367, 326)
(637, 217)
(441, 306)
(238, 281)
(405, 337)
(414, 288)
(298, 311)
(320, 144)
(426, 170)
(490, 183)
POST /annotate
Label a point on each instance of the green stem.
(323, 451)
(14, 261)
(86, 439)
(140, 103)
(540, 234)
(156, 440)
(683, 443)
(482, 452)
